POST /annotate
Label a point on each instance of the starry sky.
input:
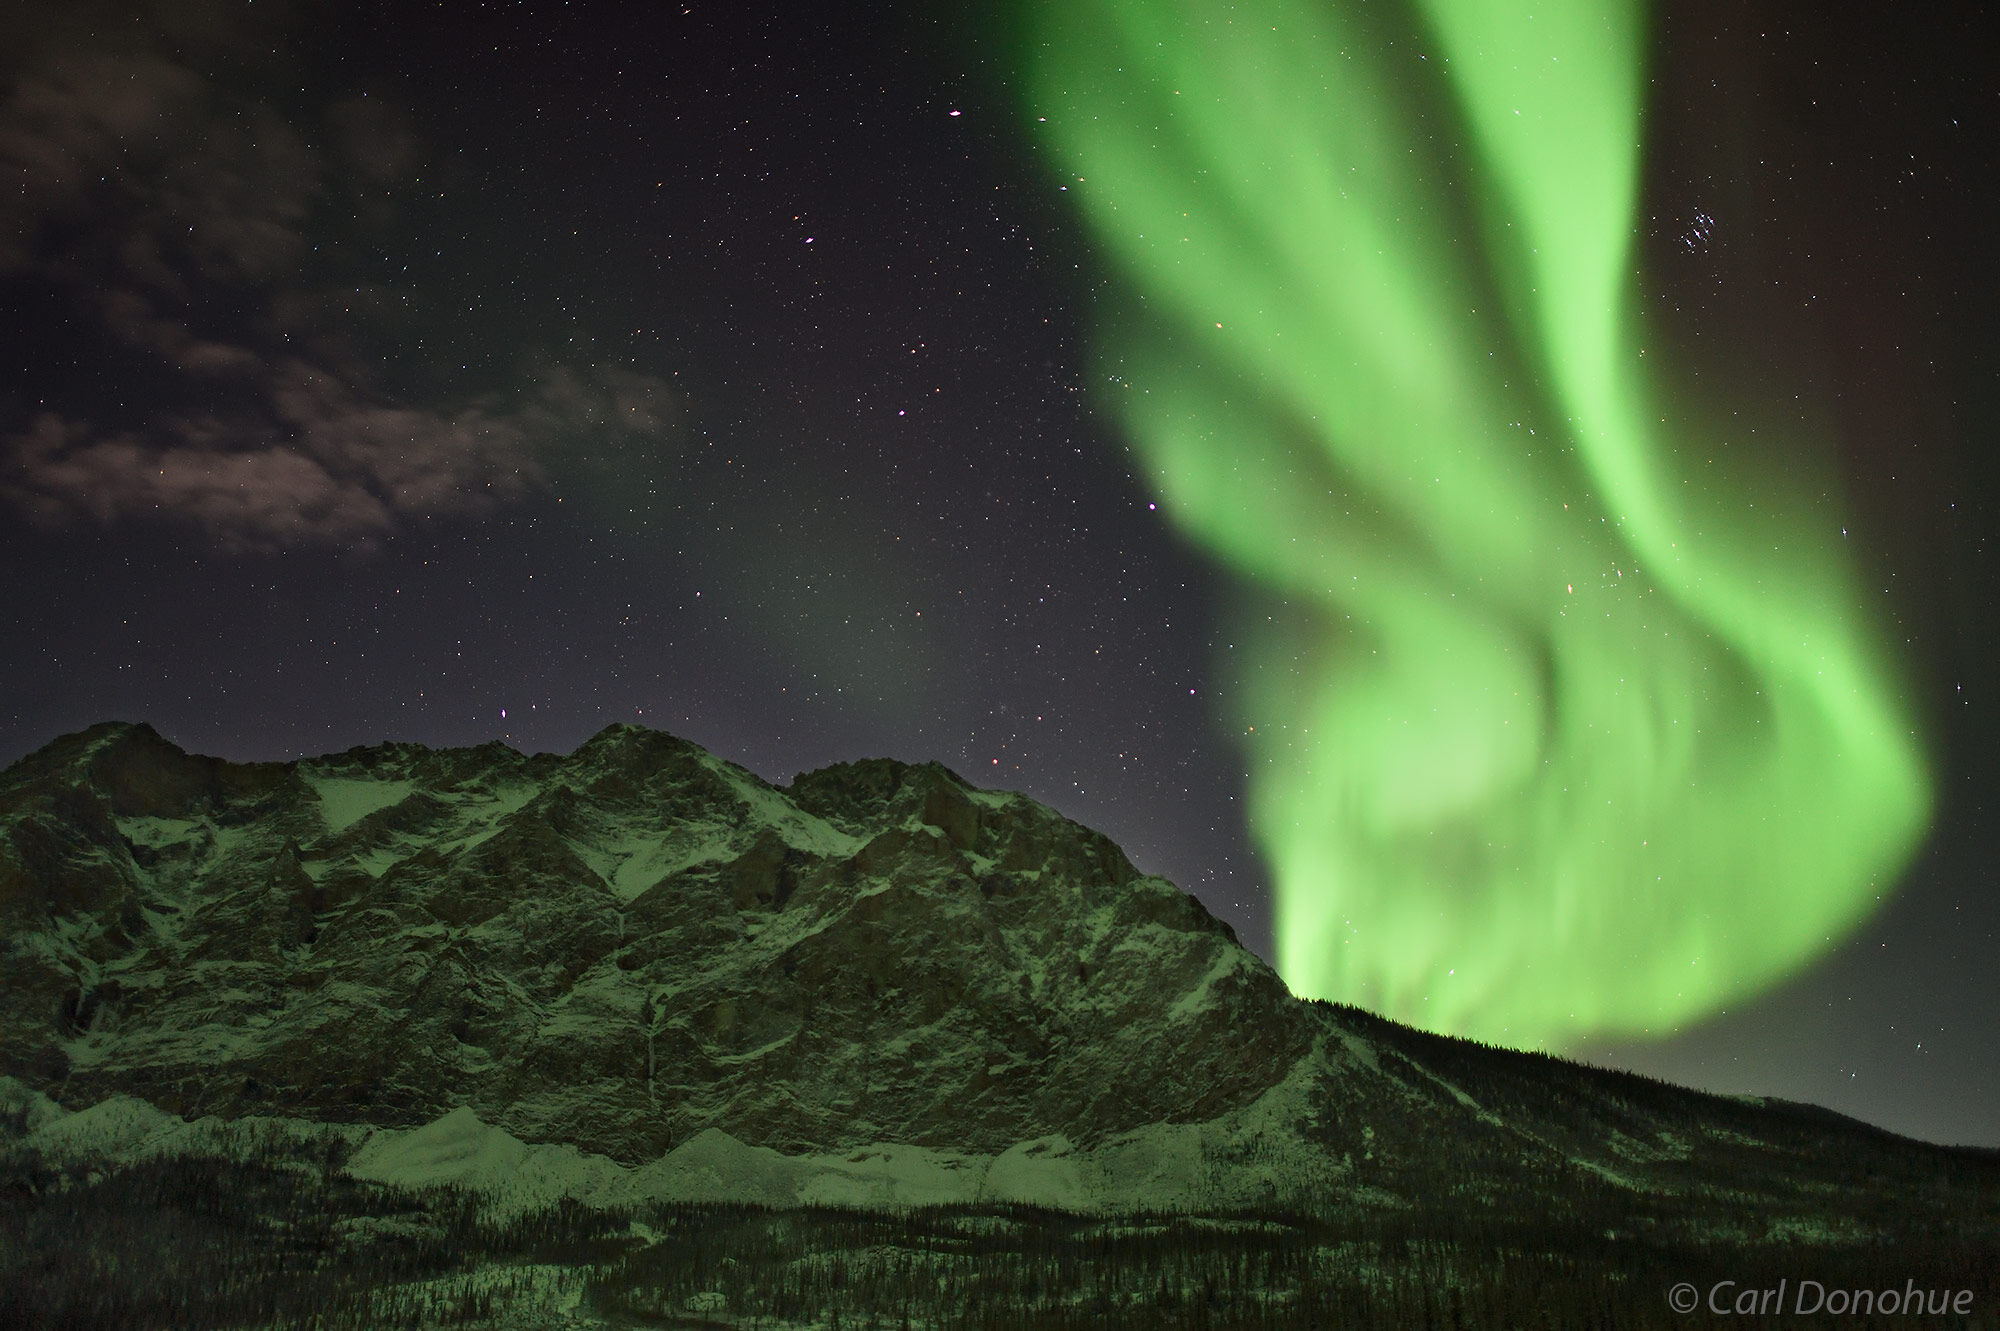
(500, 371)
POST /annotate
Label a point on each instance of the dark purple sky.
(373, 370)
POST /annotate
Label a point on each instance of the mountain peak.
(79, 747)
(621, 947)
(629, 741)
(879, 982)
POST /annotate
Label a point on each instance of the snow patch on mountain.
(345, 801)
(153, 832)
(460, 1150)
(1192, 1166)
(1201, 997)
(23, 1109)
(799, 829)
(1044, 1170)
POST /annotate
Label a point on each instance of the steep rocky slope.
(639, 970)
(618, 948)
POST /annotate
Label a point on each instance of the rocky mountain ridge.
(639, 970)
(618, 948)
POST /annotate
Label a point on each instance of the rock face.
(618, 949)
(878, 982)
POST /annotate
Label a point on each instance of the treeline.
(1583, 1151)
(276, 1240)
(1669, 1137)
(998, 1269)
(287, 1240)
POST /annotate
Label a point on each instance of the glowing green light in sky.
(1562, 718)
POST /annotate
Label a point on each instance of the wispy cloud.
(187, 226)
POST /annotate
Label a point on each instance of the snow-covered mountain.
(640, 971)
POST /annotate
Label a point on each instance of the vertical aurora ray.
(1561, 721)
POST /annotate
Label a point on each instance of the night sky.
(468, 372)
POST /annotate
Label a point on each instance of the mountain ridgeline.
(616, 949)
(640, 975)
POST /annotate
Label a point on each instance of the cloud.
(251, 499)
(322, 463)
(196, 235)
(120, 165)
(131, 317)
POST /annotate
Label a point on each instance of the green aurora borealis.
(1561, 716)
